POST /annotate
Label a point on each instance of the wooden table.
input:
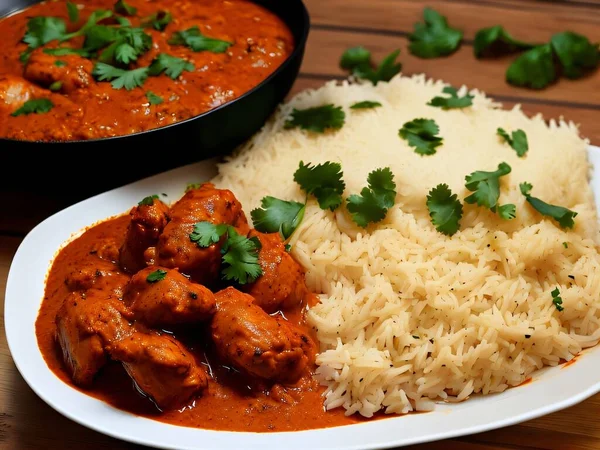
(26, 422)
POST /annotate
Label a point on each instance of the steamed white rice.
(408, 316)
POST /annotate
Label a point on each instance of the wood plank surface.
(26, 422)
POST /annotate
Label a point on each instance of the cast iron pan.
(92, 166)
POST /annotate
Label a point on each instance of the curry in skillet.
(96, 69)
(184, 314)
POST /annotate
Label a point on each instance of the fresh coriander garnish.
(126, 46)
(275, 215)
(73, 12)
(575, 53)
(486, 190)
(123, 21)
(55, 87)
(518, 140)
(565, 245)
(358, 61)
(445, 209)
(157, 275)
(375, 200)
(93, 19)
(422, 135)
(497, 41)
(239, 254)
(159, 20)
(41, 30)
(122, 7)
(434, 38)
(60, 63)
(148, 201)
(35, 106)
(562, 215)
(120, 78)
(172, 66)
(317, 119)
(452, 102)
(153, 98)
(324, 181)
(557, 300)
(191, 186)
(366, 104)
(195, 40)
(534, 68)
(65, 51)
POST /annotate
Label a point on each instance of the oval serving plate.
(552, 389)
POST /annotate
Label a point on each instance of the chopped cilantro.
(366, 104)
(324, 181)
(445, 209)
(454, 101)
(60, 63)
(275, 215)
(159, 20)
(576, 54)
(170, 65)
(95, 17)
(157, 275)
(486, 190)
(206, 234)
(126, 45)
(55, 87)
(122, 7)
(123, 21)
(73, 12)
(41, 30)
(557, 300)
(317, 119)
(562, 215)
(195, 40)
(35, 106)
(153, 98)
(191, 186)
(497, 41)
(65, 51)
(534, 68)
(565, 245)
(358, 61)
(375, 200)
(148, 201)
(434, 38)
(518, 140)
(422, 135)
(120, 78)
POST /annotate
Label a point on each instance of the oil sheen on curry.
(184, 314)
(97, 69)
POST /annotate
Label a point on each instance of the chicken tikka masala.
(184, 314)
(96, 69)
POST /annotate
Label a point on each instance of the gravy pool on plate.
(96, 69)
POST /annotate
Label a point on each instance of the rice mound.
(408, 316)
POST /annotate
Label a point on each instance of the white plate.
(552, 389)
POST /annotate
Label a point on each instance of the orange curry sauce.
(85, 108)
(231, 402)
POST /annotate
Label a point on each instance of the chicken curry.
(184, 314)
(97, 69)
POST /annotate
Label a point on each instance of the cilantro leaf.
(95, 17)
(240, 258)
(374, 201)
(73, 12)
(358, 61)
(275, 215)
(562, 215)
(41, 30)
(148, 201)
(507, 212)
(497, 41)
(153, 98)
(127, 45)
(122, 7)
(123, 21)
(366, 104)
(157, 275)
(59, 63)
(120, 78)
(170, 65)
(533, 69)
(317, 119)
(194, 39)
(35, 106)
(445, 209)
(518, 141)
(557, 300)
(99, 36)
(421, 134)
(575, 53)
(486, 189)
(434, 37)
(454, 101)
(324, 181)
(159, 20)
(206, 234)
(65, 51)
(191, 186)
(55, 87)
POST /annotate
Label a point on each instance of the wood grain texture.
(26, 422)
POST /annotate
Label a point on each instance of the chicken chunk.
(15, 91)
(98, 274)
(147, 223)
(281, 284)
(256, 343)
(161, 368)
(172, 300)
(175, 249)
(74, 72)
(86, 323)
